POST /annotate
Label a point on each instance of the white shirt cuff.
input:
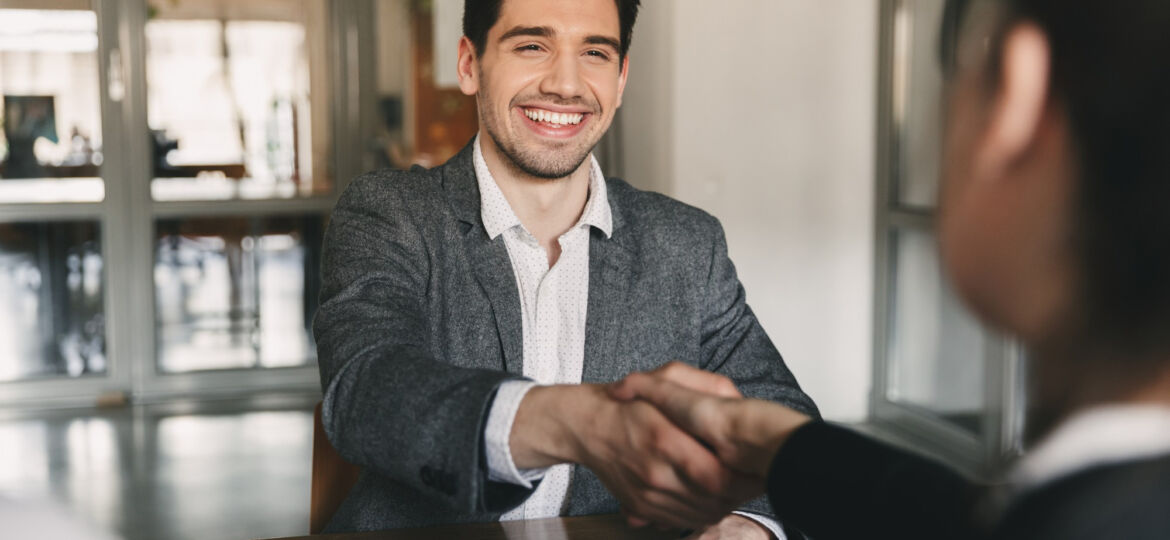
(498, 432)
(768, 523)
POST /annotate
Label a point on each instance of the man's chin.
(547, 172)
(548, 166)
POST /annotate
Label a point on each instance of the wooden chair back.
(333, 477)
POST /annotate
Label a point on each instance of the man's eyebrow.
(604, 40)
(531, 31)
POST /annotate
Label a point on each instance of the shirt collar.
(597, 211)
(1098, 436)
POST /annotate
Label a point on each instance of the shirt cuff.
(772, 525)
(498, 431)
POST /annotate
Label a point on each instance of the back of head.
(1111, 74)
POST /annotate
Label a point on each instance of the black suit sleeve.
(834, 484)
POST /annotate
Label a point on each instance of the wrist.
(544, 432)
(765, 428)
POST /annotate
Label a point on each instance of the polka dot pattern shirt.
(553, 305)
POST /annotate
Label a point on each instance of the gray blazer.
(420, 322)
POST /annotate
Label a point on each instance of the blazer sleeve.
(832, 483)
(734, 344)
(390, 406)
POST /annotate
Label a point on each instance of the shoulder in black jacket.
(834, 484)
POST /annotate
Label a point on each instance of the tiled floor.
(206, 471)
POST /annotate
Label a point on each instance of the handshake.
(678, 446)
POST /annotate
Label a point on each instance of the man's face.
(1005, 211)
(974, 248)
(548, 82)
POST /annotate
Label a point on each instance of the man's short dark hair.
(1114, 86)
(479, 16)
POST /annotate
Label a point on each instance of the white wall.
(762, 112)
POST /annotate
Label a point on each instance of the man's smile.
(552, 117)
(555, 124)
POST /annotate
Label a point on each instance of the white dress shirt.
(1100, 435)
(553, 305)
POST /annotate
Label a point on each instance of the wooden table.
(607, 527)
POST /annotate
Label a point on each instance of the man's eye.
(529, 47)
(598, 54)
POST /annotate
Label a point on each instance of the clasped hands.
(678, 447)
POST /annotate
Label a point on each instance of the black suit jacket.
(834, 484)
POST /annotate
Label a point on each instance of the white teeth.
(562, 119)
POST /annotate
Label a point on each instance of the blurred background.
(167, 168)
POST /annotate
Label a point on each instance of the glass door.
(167, 169)
(59, 104)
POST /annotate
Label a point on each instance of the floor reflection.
(150, 473)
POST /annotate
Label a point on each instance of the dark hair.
(1114, 85)
(479, 16)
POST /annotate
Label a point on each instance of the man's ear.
(468, 69)
(1019, 102)
(622, 79)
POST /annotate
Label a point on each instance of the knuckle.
(664, 442)
(727, 387)
(710, 478)
(706, 411)
(657, 479)
(659, 438)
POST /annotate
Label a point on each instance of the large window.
(940, 379)
(166, 173)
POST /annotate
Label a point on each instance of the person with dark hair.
(472, 313)
(1055, 228)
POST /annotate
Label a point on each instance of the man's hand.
(745, 434)
(659, 473)
(733, 527)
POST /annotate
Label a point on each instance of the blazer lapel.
(493, 271)
(611, 271)
(488, 258)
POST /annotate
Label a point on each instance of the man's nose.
(563, 78)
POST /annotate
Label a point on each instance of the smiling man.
(471, 313)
